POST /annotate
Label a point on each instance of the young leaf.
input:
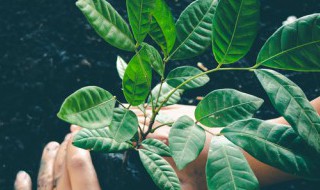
(99, 140)
(89, 107)
(165, 90)
(292, 104)
(235, 27)
(294, 46)
(156, 146)
(227, 168)
(165, 119)
(194, 28)
(160, 171)
(181, 74)
(186, 141)
(124, 124)
(222, 107)
(163, 30)
(136, 82)
(139, 12)
(155, 59)
(121, 66)
(107, 22)
(276, 145)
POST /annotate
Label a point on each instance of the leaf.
(121, 66)
(155, 59)
(165, 119)
(165, 91)
(156, 146)
(186, 141)
(276, 145)
(107, 22)
(89, 107)
(136, 82)
(182, 74)
(163, 30)
(235, 27)
(140, 13)
(99, 140)
(227, 168)
(222, 107)
(124, 124)
(290, 101)
(159, 170)
(194, 29)
(294, 46)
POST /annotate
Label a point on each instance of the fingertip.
(74, 128)
(23, 181)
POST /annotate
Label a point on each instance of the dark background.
(48, 50)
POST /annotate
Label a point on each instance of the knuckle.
(77, 161)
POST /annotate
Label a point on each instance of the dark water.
(47, 51)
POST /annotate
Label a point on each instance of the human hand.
(62, 167)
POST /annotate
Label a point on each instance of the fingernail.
(22, 175)
(53, 146)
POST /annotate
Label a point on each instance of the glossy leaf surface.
(235, 27)
(89, 107)
(136, 82)
(121, 66)
(165, 91)
(155, 59)
(124, 124)
(276, 145)
(227, 168)
(186, 141)
(194, 29)
(160, 170)
(140, 13)
(295, 46)
(107, 22)
(222, 107)
(290, 101)
(156, 146)
(181, 74)
(163, 30)
(99, 140)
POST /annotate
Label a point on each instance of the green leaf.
(276, 145)
(163, 30)
(194, 28)
(107, 22)
(165, 91)
(160, 170)
(156, 146)
(290, 101)
(136, 82)
(140, 13)
(222, 107)
(99, 140)
(155, 59)
(295, 46)
(235, 27)
(181, 74)
(165, 119)
(227, 168)
(186, 141)
(124, 124)
(89, 107)
(121, 66)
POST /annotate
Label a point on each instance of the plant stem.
(162, 125)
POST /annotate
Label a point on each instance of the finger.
(61, 175)
(81, 170)
(45, 175)
(23, 181)
(74, 128)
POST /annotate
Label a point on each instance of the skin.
(65, 167)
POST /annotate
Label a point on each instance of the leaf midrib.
(93, 107)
